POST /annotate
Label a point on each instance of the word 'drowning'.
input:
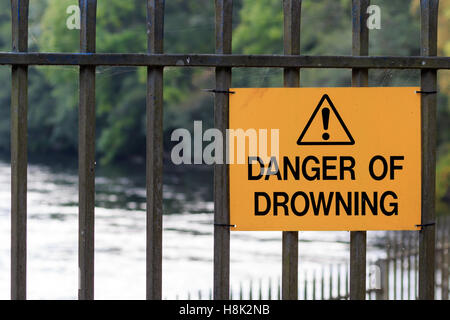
(329, 202)
(349, 159)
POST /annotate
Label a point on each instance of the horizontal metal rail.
(220, 60)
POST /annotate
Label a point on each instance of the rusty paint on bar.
(427, 245)
(224, 12)
(86, 155)
(154, 149)
(220, 60)
(292, 18)
(360, 76)
(19, 110)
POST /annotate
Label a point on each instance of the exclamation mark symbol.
(326, 120)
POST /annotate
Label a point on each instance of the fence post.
(292, 13)
(408, 257)
(388, 262)
(19, 111)
(402, 266)
(224, 13)
(331, 283)
(154, 152)
(445, 265)
(427, 245)
(359, 79)
(86, 154)
(322, 285)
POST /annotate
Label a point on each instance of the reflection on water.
(120, 236)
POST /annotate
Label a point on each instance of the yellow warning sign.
(325, 159)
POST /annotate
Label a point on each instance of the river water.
(120, 236)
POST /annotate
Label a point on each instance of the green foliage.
(259, 30)
(121, 92)
(5, 78)
(443, 181)
(189, 28)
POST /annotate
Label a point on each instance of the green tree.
(189, 28)
(121, 28)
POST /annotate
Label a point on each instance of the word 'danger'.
(349, 159)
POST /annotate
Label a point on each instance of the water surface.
(120, 236)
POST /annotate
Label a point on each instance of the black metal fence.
(399, 270)
(223, 60)
(392, 276)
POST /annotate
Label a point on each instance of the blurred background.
(120, 142)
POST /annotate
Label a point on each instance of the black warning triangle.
(325, 138)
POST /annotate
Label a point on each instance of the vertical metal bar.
(269, 296)
(331, 282)
(402, 266)
(347, 294)
(357, 265)
(305, 288)
(429, 20)
(260, 289)
(416, 267)
(385, 279)
(388, 264)
(19, 111)
(292, 17)
(439, 256)
(447, 230)
(339, 281)
(86, 154)
(314, 285)
(445, 266)
(395, 236)
(408, 257)
(224, 12)
(279, 290)
(241, 291)
(154, 152)
(360, 78)
(322, 285)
